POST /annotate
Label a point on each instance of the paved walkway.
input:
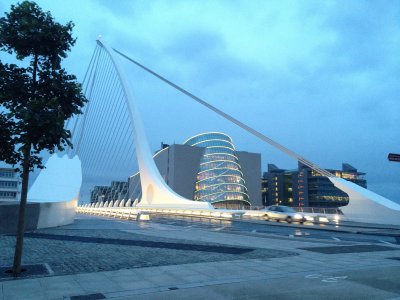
(143, 261)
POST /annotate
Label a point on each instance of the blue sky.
(320, 77)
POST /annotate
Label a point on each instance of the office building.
(116, 191)
(305, 187)
(207, 167)
(10, 184)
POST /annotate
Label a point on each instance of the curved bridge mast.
(155, 192)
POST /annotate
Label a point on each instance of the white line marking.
(313, 276)
(387, 243)
(333, 279)
(49, 269)
(325, 278)
(218, 229)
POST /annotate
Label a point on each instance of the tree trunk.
(24, 190)
(35, 65)
(21, 218)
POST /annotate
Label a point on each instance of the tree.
(36, 100)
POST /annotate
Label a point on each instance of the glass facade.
(305, 187)
(219, 179)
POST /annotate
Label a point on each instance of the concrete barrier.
(54, 214)
(9, 216)
(38, 215)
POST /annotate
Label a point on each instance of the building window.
(6, 194)
(8, 184)
(7, 174)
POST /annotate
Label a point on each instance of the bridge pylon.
(155, 192)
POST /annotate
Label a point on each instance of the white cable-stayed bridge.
(111, 142)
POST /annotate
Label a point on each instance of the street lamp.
(394, 157)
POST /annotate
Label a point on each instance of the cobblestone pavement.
(72, 251)
(119, 259)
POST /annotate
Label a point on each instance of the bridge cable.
(104, 106)
(77, 118)
(105, 112)
(88, 105)
(84, 80)
(232, 119)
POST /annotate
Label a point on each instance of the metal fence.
(313, 210)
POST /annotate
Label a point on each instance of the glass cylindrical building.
(220, 179)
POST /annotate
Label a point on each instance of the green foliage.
(35, 100)
(27, 30)
(6, 130)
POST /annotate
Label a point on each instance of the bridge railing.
(313, 210)
(137, 213)
(319, 210)
(143, 213)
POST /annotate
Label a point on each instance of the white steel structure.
(155, 192)
(364, 205)
(367, 206)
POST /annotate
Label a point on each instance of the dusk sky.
(320, 77)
